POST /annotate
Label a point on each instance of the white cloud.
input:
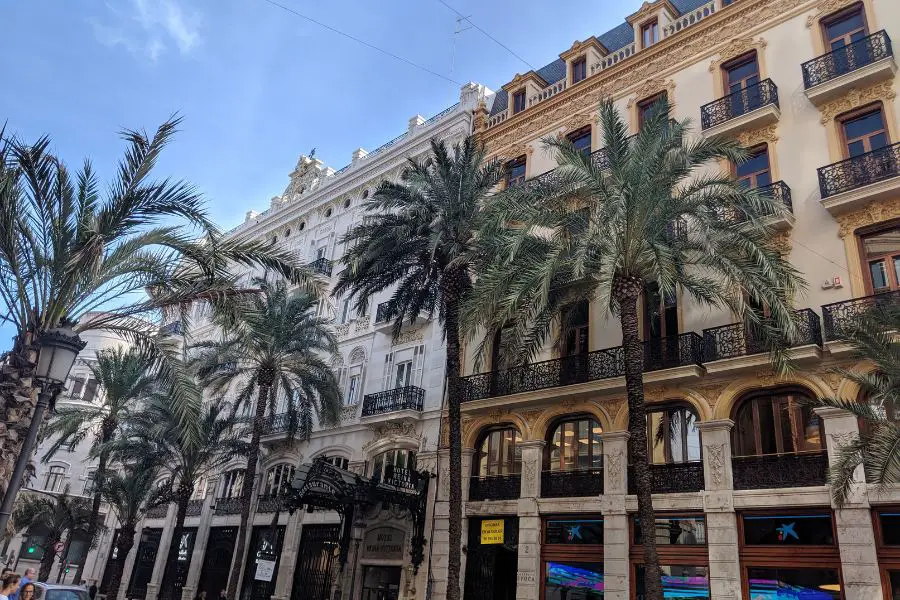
(149, 28)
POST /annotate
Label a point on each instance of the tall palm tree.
(654, 213)
(418, 239)
(54, 515)
(877, 405)
(124, 380)
(155, 434)
(130, 493)
(133, 249)
(273, 346)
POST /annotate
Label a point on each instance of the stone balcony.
(855, 66)
(750, 108)
(853, 183)
(390, 405)
(322, 266)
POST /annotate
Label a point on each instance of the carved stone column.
(616, 567)
(718, 504)
(200, 541)
(441, 541)
(853, 522)
(529, 561)
(532, 459)
(162, 553)
(288, 560)
(129, 563)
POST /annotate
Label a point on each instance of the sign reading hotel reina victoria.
(384, 543)
(492, 531)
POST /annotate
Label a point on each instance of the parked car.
(52, 591)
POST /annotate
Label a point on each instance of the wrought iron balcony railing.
(269, 504)
(385, 312)
(780, 193)
(194, 508)
(322, 266)
(847, 59)
(731, 341)
(841, 318)
(495, 487)
(772, 471)
(158, 512)
(228, 506)
(738, 103)
(664, 353)
(277, 424)
(860, 171)
(408, 397)
(572, 483)
(671, 478)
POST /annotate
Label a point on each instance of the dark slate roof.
(614, 39)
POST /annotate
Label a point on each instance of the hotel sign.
(384, 543)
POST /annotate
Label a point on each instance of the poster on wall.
(265, 569)
(491, 531)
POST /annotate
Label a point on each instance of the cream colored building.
(739, 486)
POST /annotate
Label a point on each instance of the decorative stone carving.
(651, 87)
(854, 98)
(342, 330)
(768, 134)
(782, 242)
(530, 469)
(392, 431)
(842, 439)
(407, 337)
(736, 47)
(614, 464)
(876, 212)
(357, 356)
(445, 482)
(362, 323)
(715, 457)
(825, 7)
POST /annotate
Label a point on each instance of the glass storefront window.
(675, 531)
(567, 580)
(679, 582)
(582, 531)
(774, 583)
(788, 530)
(500, 453)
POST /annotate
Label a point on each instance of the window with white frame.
(278, 480)
(56, 475)
(341, 462)
(232, 483)
(90, 481)
(352, 396)
(404, 368)
(386, 461)
(346, 313)
(200, 490)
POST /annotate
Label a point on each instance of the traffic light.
(31, 550)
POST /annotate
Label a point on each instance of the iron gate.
(262, 545)
(217, 562)
(143, 563)
(312, 577)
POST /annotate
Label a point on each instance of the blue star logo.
(786, 531)
(575, 532)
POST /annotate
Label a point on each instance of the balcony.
(158, 512)
(279, 423)
(402, 399)
(781, 194)
(385, 312)
(841, 318)
(576, 483)
(322, 266)
(228, 506)
(725, 347)
(672, 478)
(858, 65)
(495, 487)
(852, 183)
(772, 471)
(269, 504)
(750, 108)
(683, 350)
(194, 508)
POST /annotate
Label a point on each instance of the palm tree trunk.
(259, 422)
(167, 588)
(454, 527)
(627, 293)
(106, 433)
(124, 543)
(47, 560)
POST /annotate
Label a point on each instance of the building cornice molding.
(855, 98)
(877, 212)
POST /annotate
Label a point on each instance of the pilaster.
(200, 541)
(532, 459)
(128, 569)
(288, 560)
(162, 553)
(616, 567)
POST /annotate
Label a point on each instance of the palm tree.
(603, 232)
(419, 241)
(873, 340)
(155, 434)
(130, 493)
(54, 515)
(123, 377)
(273, 346)
(135, 248)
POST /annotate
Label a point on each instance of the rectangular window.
(345, 311)
(649, 33)
(845, 28)
(519, 101)
(569, 532)
(889, 522)
(90, 390)
(89, 482)
(678, 582)
(581, 139)
(77, 387)
(788, 530)
(320, 252)
(515, 172)
(864, 132)
(579, 70)
(645, 106)
(352, 389)
(881, 252)
(676, 531)
(777, 583)
(54, 480)
(404, 374)
(660, 313)
(741, 77)
(754, 172)
(570, 580)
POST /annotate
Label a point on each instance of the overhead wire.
(488, 35)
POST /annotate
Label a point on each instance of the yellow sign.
(492, 531)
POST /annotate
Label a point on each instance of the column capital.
(830, 412)
(540, 444)
(615, 436)
(716, 425)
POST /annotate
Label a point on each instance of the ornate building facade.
(739, 482)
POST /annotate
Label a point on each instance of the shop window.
(649, 33)
(575, 444)
(678, 581)
(646, 105)
(278, 480)
(518, 101)
(788, 530)
(776, 422)
(881, 254)
(755, 171)
(567, 580)
(581, 139)
(515, 172)
(672, 434)
(675, 531)
(392, 459)
(579, 70)
(864, 131)
(573, 531)
(777, 582)
(499, 453)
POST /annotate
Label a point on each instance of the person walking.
(27, 591)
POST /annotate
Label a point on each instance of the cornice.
(661, 61)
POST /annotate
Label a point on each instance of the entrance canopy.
(320, 484)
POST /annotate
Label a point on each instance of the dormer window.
(579, 70)
(518, 101)
(649, 33)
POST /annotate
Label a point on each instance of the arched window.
(341, 462)
(574, 444)
(777, 421)
(400, 458)
(499, 452)
(672, 434)
(278, 480)
(232, 482)
(54, 480)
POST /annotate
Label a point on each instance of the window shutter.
(418, 365)
(388, 367)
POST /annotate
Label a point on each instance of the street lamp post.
(57, 350)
